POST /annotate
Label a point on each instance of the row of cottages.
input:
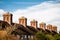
(22, 30)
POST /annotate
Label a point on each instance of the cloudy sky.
(47, 11)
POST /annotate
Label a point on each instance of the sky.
(47, 11)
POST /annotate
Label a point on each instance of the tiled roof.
(28, 30)
(4, 23)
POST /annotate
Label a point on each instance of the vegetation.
(5, 36)
(42, 36)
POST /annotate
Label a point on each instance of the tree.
(40, 35)
(57, 36)
(49, 37)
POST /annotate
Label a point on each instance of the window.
(28, 36)
(7, 18)
(25, 36)
(18, 36)
(32, 36)
(22, 37)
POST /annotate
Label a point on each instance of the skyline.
(47, 11)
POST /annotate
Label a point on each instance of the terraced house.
(22, 30)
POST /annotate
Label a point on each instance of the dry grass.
(5, 36)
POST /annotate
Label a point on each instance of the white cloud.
(1, 13)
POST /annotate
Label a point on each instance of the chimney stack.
(23, 21)
(33, 23)
(49, 27)
(7, 17)
(54, 28)
(42, 25)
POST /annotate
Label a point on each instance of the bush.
(40, 35)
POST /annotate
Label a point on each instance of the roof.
(41, 29)
(24, 29)
(32, 29)
(54, 32)
(4, 23)
(28, 30)
(47, 31)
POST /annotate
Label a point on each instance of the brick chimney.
(7, 17)
(54, 28)
(42, 25)
(33, 23)
(23, 21)
(49, 27)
